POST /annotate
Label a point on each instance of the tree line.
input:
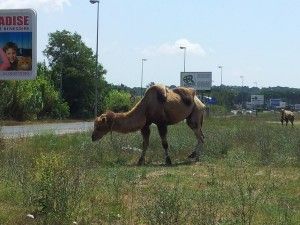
(65, 88)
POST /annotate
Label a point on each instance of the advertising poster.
(201, 81)
(18, 60)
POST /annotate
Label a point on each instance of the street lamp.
(242, 78)
(61, 69)
(96, 74)
(221, 68)
(143, 60)
(184, 49)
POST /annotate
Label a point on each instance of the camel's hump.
(160, 90)
(186, 94)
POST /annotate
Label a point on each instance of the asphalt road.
(37, 129)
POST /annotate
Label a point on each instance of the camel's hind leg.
(146, 133)
(162, 129)
(292, 122)
(196, 125)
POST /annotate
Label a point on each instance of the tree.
(73, 72)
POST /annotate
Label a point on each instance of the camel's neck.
(130, 121)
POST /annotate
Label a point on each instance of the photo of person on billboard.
(10, 49)
(17, 51)
(4, 62)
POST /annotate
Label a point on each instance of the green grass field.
(248, 174)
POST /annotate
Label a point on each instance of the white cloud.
(174, 48)
(47, 5)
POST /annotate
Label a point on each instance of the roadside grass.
(248, 174)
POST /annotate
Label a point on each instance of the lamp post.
(184, 49)
(242, 78)
(221, 68)
(142, 75)
(96, 73)
(61, 69)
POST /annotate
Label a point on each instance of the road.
(37, 129)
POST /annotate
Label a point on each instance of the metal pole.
(221, 75)
(221, 69)
(184, 60)
(184, 55)
(142, 76)
(96, 74)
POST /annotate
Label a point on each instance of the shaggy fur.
(161, 106)
(287, 116)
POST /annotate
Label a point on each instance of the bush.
(22, 100)
(57, 189)
(118, 101)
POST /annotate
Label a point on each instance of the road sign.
(18, 41)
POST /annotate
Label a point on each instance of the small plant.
(56, 189)
(248, 196)
(165, 208)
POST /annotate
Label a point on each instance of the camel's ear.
(101, 119)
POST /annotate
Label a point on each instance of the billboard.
(274, 103)
(200, 81)
(297, 107)
(257, 100)
(18, 59)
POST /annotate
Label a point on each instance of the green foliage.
(217, 110)
(24, 100)
(56, 189)
(72, 65)
(31, 99)
(165, 208)
(118, 101)
(60, 179)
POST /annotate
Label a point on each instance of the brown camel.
(161, 106)
(287, 116)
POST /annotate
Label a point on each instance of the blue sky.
(259, 40)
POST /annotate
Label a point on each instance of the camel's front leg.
(198, 149)
(162, 129)
(145, 133)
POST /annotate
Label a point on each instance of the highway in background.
(49, 128)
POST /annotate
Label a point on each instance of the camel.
(161, 106)
(287, 116)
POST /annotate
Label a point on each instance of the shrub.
(118, 101)
(56, 189)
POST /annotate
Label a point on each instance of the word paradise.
(14, 20)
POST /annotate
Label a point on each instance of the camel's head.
(102, 125)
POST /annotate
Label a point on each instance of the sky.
(256, 42)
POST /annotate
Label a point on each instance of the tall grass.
(248, 174)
